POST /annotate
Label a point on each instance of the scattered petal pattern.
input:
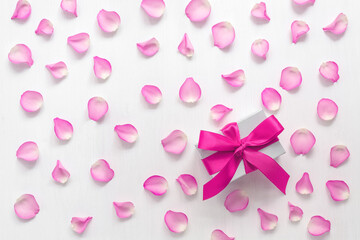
(69, 6)
(188, 184)
(31, 101)
(152, 94)
(302, 141)
(304, 186)
(28, 151)
(176, 221)
(298, 29)
(21, 54)
(295, 213)
(79, 224)
(219, 111)
(58, 70)
(235, 79)
(190, 91)
(101, 171)
(63, 129)
(304, 2)
(223, 34)
(109, 21)
(127, 132)
(149, 48)
(22, 10)
(260, 48)
(259, 11)
(327, 109)
(102, 68)
(217, 234)
(318, 226)
(330, 71)
(45, 28)
(338, 189)
(268, 220)
(157, 185)
(237, 200)
(60, 174)
(26, 207)
(271, 99)
(154, 8)
(124, 209)
(185, 47)
(97, 108)
(338, 26)
(198, 10)
(175, 142)
(79, 42)
(290, 78)
(338, 155)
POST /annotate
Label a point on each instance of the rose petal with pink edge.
(235, 79)
(217, 234)
(219, 111)
(58, 70)
(223, 34)
(69, 6)
(97, 108)
(237, 200)
(198, 10)
(45, 27)
(63, 129)
(330, 71)
(304, 2)
(304, 186)
(28, 151)
(79, 42)
(149, 48)
(190, 91)
(102, 68)
(176, 221)
(175, 142)
(127, 132)
(31, 101)
(338, 155)
(22, 10)
(268, 220)
(290, 78)
(101, 171)
(185, 47)
(124, 209)
(21, 54)
(318, 226)
(156, 184)
(260, 48)
(298, 29)
(338, 26)
(295, 213)
(302, 140)
(152, 94)
(188, 184)
(153, 8)
(26, 207)
(60, 174)
(338, 189)
(109, 21)
(271, 99)
(79, 224)
(259, 11)
(327, 109)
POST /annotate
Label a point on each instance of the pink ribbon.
(231, 149)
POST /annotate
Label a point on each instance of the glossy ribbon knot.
(231, 149)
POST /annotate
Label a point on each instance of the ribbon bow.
(231, 149)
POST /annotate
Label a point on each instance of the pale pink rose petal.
(31, 101)
(223, 34)
(198, 10)
(156, 184)
(290, 78)
(304, 2)
(219, 111)
(60, 174)
(188, 184)
(176, 221)
(79, 42)
(154, 8)
(318, 226)
(304, 186)
(45, 28)
(237, 200)
(109, 21)
(127, 132)
(295, 213)
(26, 206)
(149, 48)
(338, 26)
(235, 79)
(69, 6)
(151, 93)
(338, 155)
(102, 68)
(268, 220)
(97, 108)
(28, 151)
(271, 99)
(190, 91)
(58, 70)
(298, 29)
(302, 140)
(327, 109)
(175, 142)
(22, 10)
(330, 71)
(259, 11)
(101, 171)
(260, 48)
(217, 234)
(185, 47)
(63, 129)
(79, 224)
(21, 54)
(124, 209)
(338, 189)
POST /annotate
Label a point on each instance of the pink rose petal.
(271, 99)
(259, 11)
(260, 48)
(45, 28)
(63, 129)
(69, 6)
(102, 68)
(185, 47)
(157, 185)
(235, 79)
(109, 21)
(304, 186)
(60, 174)
(223, 34)
(304, 2)
(338, 26)
(28, 151)
(198, 10)
(295, 213)
(175, 142)
(154, 8)
(21, 54)
(79, 224)
(338, 155)
(149, 48)
(237, 200)
(127, 132)
(124, 209)
(79, 42)
(176, 221)
(97, 108)
(101, 171)
(339, 190)
(26, 206)
(220, 235)
(188, 184)
(190, 91)
(268, 220)
(152, 94)
(318, 226)
(327, 109)
(302, 140)
(330, 71)
(58, 70)
(22, 10)
(219, 111)
(298, 29)
(290, 78)
(31, 101)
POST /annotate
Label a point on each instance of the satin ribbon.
(231, 149)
